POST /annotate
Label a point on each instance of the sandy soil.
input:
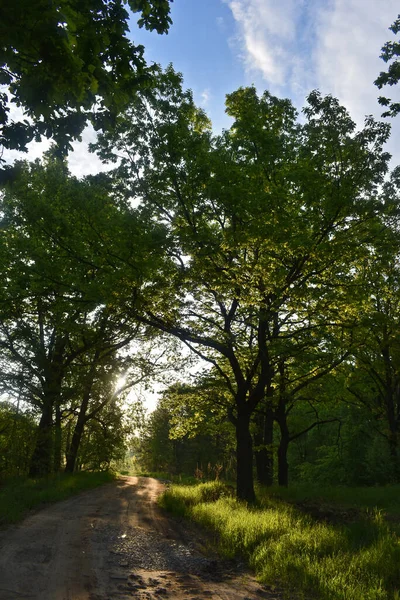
(114, 543)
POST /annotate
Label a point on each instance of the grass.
(183, 479)
(385, 498)
(354, 561)
(18, 496)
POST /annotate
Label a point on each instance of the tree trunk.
(263, 438)
(394, 455)
(72, 451)
(283, 466)
(391, 409)
(393, 434)
(281, 419)
(244, 457)
(57, 438)
(41, 461)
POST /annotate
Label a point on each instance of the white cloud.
(346, 56)
(266, 35)
(332, 45)
(205, 97)
(346, 53)
(81, 162)
(300, 45)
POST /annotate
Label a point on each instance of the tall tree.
(265, 221)
(61, 245)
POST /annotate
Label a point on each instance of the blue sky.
(288, 47)
(199, 46)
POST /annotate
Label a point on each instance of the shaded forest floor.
(340, 505)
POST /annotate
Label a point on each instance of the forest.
(254, 273)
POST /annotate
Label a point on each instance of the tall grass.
(358, 561)
(386, 498)
(20, 495)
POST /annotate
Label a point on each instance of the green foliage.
(71, 252)
(390, 54)
(287, 548)
(18, 496)
(59, 60)
(156, 448)
(17, 435)
(105, 439)
(267, 224)
(270, 251)
(206, 452)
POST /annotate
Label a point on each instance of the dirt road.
(114, 543)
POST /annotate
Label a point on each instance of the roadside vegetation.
(341, 555)
(384, 498)
(19, 495)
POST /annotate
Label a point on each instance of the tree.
(264, 221)
(61, 250)
(375, 380)
(187, 433)
(17, 428)
(68, 62)
(390, 54)
(123, 354)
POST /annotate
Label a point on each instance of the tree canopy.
(68, 246)
(390, 77)
(65, 63)
(267, 223)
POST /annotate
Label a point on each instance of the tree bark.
(283, 466)
(41, 461)
(72, 451)
(264, 437)
(244, 457)
(57, 438)
(394, 454)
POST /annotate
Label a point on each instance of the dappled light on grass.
(336, 562)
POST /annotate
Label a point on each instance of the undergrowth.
(386, 498)
(164, 475)
(19, 495)
(356, 561)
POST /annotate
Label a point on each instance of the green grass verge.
(357, 561)
(18, 496)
